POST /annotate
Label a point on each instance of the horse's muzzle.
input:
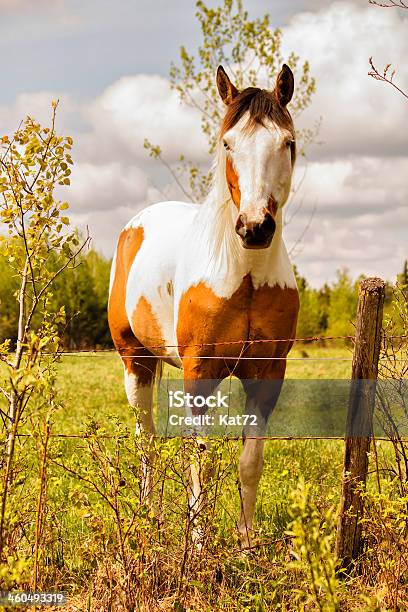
(255, 235)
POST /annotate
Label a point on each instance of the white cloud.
(357, 184)
(360, 115)
(38, 106)
(356, 177)
(360, 218)
(139, 107)
(107, 186)
(106, 224)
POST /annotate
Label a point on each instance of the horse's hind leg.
(139, 380)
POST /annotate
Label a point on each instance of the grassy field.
(91, 386)
(111, 551)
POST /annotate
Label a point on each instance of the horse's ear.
(226, 89)
(285, 84)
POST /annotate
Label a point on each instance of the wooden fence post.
(359, 418)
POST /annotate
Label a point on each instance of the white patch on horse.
(250, 471)
(137, 394)
(262, 161)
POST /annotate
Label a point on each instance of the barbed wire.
(245, 344)
(230, 357)
(226, 438)
(242, 342)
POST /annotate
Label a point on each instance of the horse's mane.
(217, 214)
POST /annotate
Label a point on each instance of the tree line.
(331, 310)
(83, 291)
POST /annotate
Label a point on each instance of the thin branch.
(195, 104)
(21, 327)
(4, 392)
(295, 191)
(175, 177)
(4, 359)
(86, 480)
(54, 276)
(29, 257)
(375, 74)
(308, 224)
(11, 143)
(391, 4)
(52, 135)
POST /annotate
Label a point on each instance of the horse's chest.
(273, 313)
(248, 314)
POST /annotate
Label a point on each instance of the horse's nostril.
(240, 225)
(255, 234)
(268, 225)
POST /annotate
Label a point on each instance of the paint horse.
(195, 284)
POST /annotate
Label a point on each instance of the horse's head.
(259, 137)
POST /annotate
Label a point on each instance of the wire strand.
(226, 438)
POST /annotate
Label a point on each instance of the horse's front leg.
(262, 396)
(201, 468)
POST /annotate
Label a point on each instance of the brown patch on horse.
(249, 314)
(127, 345)
(260, 105)
(273, 315)
(205, 317)
(233, 183)
(146, 326)
(130, 241)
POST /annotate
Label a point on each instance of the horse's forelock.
(260, 104)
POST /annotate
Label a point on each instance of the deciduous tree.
(38, 246)
(250, 49)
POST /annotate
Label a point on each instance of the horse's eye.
(290, 143)
(226, 146)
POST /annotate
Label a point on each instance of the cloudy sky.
(108, 64)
